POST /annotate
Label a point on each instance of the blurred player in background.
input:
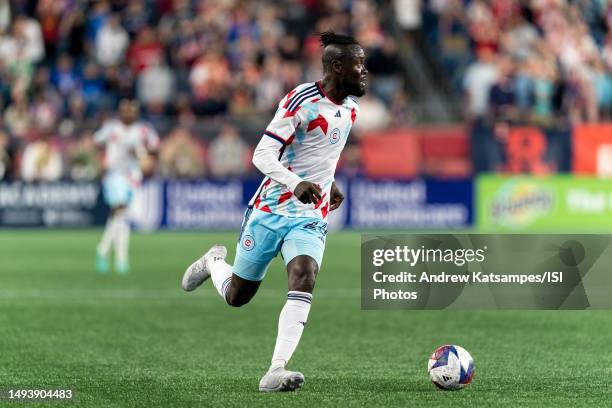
(298, 155)
(129, 146)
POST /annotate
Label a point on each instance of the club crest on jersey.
(248, 242)
(334, 136)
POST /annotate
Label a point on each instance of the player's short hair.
(330, 37)
(338, 50)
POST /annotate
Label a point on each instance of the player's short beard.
(354, 89)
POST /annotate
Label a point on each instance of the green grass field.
(140, 341)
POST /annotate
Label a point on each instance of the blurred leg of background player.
(118, 193)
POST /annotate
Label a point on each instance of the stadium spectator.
(96, 18)
(385, 65)
(145, 51)
(41, 84)
(92, 87)
(453, 38)
(76, 120)
(502, 97)
(44, 113)
(8, 48)
(581, 98)
(181, 155)
(184, 114)
(350, 162)
(65, 77)
(477, 83)
(73, 29)
(172, 25)
(111, 42)
(28, 34)
(519, 39)
(408, 14)
(543, 92)
(210, 81)
(67, 67)
(118, 83)
(373, 114)
(5, 15)
(41, 161)
(5, 157)
(523, 85)
(241, 107)
(136, 17)
(227, 154)
(561, 50)
(602, 82)
(156, 85)
(268, 89)
(83, 160)
(401, 114)
(49, 14)
(185, 40)
(17, 116)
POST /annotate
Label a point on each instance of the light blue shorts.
(264, 234)
(118, 191)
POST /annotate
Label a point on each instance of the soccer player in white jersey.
(298, 154)
(128, 144)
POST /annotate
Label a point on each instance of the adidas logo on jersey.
(338, 114)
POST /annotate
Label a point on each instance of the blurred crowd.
(547, 62)
(192, 64)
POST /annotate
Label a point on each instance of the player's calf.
(240, 291)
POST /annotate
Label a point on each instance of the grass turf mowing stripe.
(140, 341)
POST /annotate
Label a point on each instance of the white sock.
(291, 324)
(221, 275)
(108, 236)
(122, 238)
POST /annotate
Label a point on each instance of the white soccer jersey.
(309, 131)
(124, 145)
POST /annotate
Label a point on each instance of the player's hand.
(308, 192)
(133, 153)
(336, 197)
(147, 166)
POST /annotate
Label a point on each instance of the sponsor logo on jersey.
(334, 136)
(248, 242)
(318, 226)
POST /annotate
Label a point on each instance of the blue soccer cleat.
(101, 264)
(122, 268)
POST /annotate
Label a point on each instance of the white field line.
(150, 294)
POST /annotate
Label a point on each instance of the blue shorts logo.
(334, 137)
(248, 242)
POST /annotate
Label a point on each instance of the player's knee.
(302, 273)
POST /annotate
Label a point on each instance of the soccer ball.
(451, 367)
